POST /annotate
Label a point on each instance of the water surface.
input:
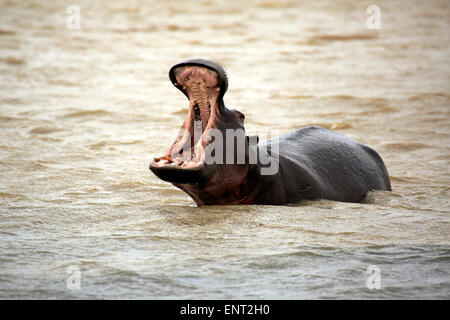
(82, 113)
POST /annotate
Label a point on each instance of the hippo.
(310, 163)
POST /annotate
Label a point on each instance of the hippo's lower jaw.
(174, 174)
(185, 168)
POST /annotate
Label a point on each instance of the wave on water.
(13, 61)
(324, 38)
(44, 130)
(88, 113)
(427, 95)
(404, 146)
(106, 143)
(4, 32)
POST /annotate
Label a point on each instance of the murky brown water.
(82, 112)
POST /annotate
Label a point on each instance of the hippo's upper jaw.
(204, 83)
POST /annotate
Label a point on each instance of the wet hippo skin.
(309, 163)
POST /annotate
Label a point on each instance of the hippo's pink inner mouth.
(202, 87)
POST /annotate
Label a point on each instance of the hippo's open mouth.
(204, 84)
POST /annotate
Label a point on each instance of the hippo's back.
(336, 167)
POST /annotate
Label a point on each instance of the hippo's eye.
(240, 115)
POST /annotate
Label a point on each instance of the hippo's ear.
(252, 140)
